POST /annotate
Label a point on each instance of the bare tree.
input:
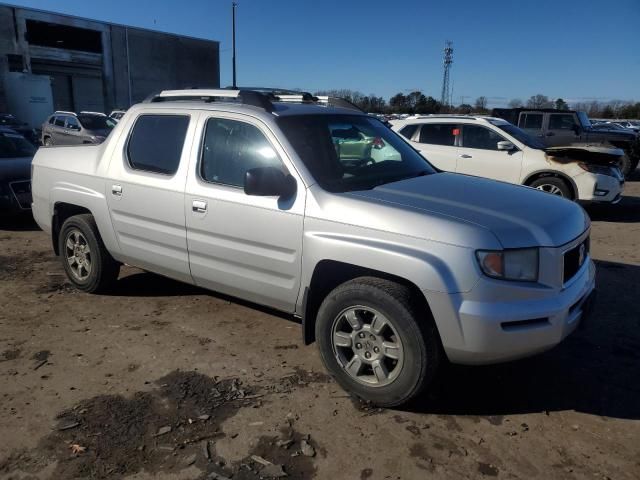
(515, 103)
(481, 103)
(539, 101)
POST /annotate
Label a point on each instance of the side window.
(52, 120)
(439, 134)
(561, 121)
(408, 131)
(59, 121)
(231, 148)
(73, 123)
(156, 142)
(475, 136)
(531, 121)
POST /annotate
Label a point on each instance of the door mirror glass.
(506, 145)
(268, 182)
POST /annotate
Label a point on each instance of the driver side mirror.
(506, 145)
(268, 182)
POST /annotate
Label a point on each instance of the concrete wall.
(134, 62)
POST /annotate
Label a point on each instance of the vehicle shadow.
(18, 223)
(147, 284)
(627, 211)
(594, 371)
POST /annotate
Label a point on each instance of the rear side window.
(408, 131)
(156, 143)
(51, 120)
(231, 148)
(480, 137)
(532, 121)
(59, 121)
(559, 121)
(439, 134)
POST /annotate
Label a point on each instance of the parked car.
(8, 120)
(568, 127)
(629, 125)
(607, 126)
(69, 128)
(493, 148)
(403, 267)
(16, 153)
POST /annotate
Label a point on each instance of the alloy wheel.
(78, 254)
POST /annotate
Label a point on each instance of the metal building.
(95, 65)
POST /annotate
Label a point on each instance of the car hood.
(518, 216)
(15, 168)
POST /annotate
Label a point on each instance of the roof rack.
(85, 112)
(262, 98)
(64, 112)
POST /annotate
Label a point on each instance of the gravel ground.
(163, 380)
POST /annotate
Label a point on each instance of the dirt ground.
(163, 380)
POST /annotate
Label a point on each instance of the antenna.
(445, 97)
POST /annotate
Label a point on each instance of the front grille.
(574, 259)
(22, 192)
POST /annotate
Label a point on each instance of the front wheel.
(88, 264)
(377, 342)
(552, 185)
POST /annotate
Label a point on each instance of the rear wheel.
(553, 185)
(377, 342)
(48, 141)
(85, 259)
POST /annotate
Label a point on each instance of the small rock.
(163, 431)
(575, 427)
(306, 449)
(260, 460)
(273, 471)
(191, 459)
(284, 443)
(204, 418)
(256, 424)
(69, 426)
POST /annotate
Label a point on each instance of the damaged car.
(494, 148)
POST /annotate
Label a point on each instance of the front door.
(479, 155)
(145, 190)
(242, 245)
(562, 129)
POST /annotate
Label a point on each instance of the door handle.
(199, 206)
(464, 155)
(116, 190)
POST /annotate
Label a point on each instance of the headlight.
(519, 264)
(599, 169)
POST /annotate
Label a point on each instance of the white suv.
(494, 148)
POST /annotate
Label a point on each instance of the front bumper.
(596, 188)
(487, 325)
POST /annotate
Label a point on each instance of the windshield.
(14, 146)
(351, 152)
(584, 119)
(96, 122)
(521, 136)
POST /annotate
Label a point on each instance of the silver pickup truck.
(323, 212)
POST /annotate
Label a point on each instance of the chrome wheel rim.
(78, 254)
(367, 346)
(552, 189)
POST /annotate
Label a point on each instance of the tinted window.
(52, 120)
(559, 121)
(531, 121)
(59, 121)
(439, 134)
(156, 143)
(521, 135)
(231, 148)
(72, 122)
(96, 122)
(480, 137)
(408, 130)
(351, 152)
(14, 146)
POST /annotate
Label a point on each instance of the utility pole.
(233, 13)
(445, 97)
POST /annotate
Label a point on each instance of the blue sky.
(579, 50)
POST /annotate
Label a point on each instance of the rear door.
(437, 143)
(562, 129)
(145, 191)
(479, 155)
(242, 245)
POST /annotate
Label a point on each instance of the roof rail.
(262, 98)
(64, 112)
(85, 112)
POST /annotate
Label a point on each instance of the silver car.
(69, 128)
(392, 266)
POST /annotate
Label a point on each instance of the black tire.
(48, 141)
(553, 185)
(627, 166)
(104, 269)
(421, 346)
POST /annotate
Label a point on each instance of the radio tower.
(447, 60)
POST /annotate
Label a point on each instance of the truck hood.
(518, 216)
(15, 168)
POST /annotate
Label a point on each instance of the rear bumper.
(499, 331)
